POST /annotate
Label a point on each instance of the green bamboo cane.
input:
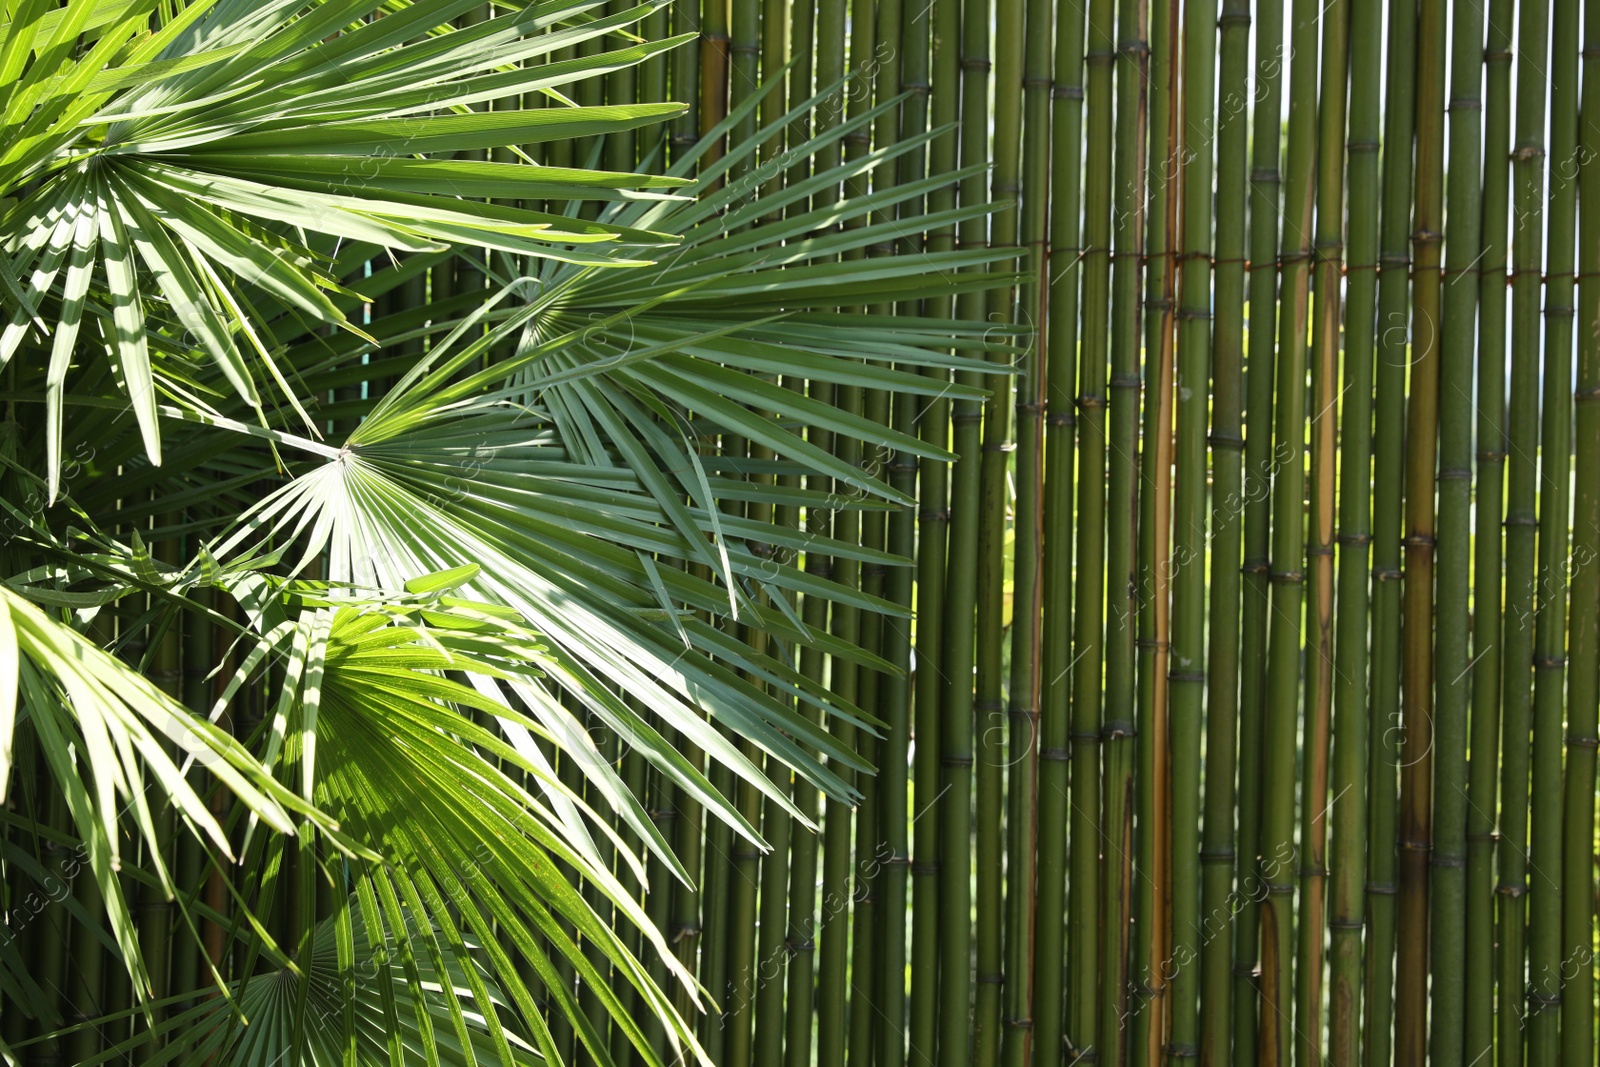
(1422, 417)
(927, 946)
(1150, 1018)
(1063, 266)
(651, 87)
(1389, 459)
(833, 960)
(870, 995)
(1314, 800)
(1260, 465)
(1484, 745)
(622, 87)
(1084, 889)
(1351, 710)
(893, 692)
(1218, 856)
(960, 715)
(1583, 680)
(1187, 675)
(1033, 40)
(1133, 175)
(685, 82)
(994, 488)
(714, 71)
(744, 75)
(1548, 967)
(1523, 509)
(939, 686)
(1453, 666)
(774, 55)
(1288, 551)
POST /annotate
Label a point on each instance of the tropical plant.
(374, 479)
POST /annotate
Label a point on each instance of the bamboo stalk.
(961, 718)
(1062, 267)
(833, 959)
(1151, 960)
(685, 82)
(1482, 791)
(1583, 679)
(1278, 853)
(1417, 753)
(1085, 918)
(943, 696)
(893, 693)
(1521, 521)
(1190, 530)
(1351, 708)
(1260, 466)
(1218, 856)
(1549, 968)
(1327, 258)
(1389, 460)
(1031, 35)
(1454, 667)
(934, 607)
(994, 488)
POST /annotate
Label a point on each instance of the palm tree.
(368, 496)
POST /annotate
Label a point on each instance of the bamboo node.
(1590, 51)
(1008, 446)
(1246, 970)
(1124, 382)
(1057, 755)
(1487, 836)
(1549, 663)
(1255, 566)
(1194, 315)
(1217, 855)
(1346, 924)
(1088, 737)
(1228, 441)
(1383, 889)
(1447, 861)
(684, 931)
(1286, 577)
(1060, 418)
(1178, 1051)
(915, 87)
(1260, 175)
(1186, 676)
(1455, 474)
(1583, 396)
(1233, 18)
(1420, 540)
(990, 979)
(1564, 311)
(1067, 92)
(1544, 1000)
(1513, 891)
(1361, 146)
(1135, 49)
(1465, 103)
(934, 515)
(989, 706)
(1497, 55)
(1491, 456)
(1520, 520)
(1118, 730)
(744, 49)
(955, 761)
(1037, 83)
(795, 948)
(1355, 539)
(1091, 403)
(1528, 152)
(1580, 741)
(1394, 259)
(1018, 1024)
(980, 63)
